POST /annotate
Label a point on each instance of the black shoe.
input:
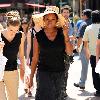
(77, 85)
(26, 90)
(30, 94)
(97, 94)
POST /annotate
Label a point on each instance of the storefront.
(93, 4)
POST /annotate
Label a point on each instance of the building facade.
(93, 4)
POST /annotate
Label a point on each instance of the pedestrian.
(13, 40)
(65, 12)
(50, 45)
(90, 38)
(33, 30)
(84, 61)
(25, 22)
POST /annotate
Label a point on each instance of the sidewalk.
(73, 92)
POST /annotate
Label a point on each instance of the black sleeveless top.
(51, 56)
(10, 51)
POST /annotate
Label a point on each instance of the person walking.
(65, 12)
(25, 22)
(87, 21)
(14, 43)
(50, 45)
(90, 39)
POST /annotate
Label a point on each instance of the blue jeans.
(84, 70)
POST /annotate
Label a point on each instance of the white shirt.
(91, 33)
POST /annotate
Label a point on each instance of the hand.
(2, 45)
(22, 72)
(88, 56)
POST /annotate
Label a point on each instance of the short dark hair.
(87, 12)
(66, 7)
(96, 16)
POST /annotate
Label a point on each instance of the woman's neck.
(8, 33)
(50, 30)
(24, 30)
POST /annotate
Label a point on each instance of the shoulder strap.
(0, 36)
(33, 30)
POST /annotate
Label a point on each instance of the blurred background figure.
(92, 47)
(80, 47)
(65, 11)
(25, 22)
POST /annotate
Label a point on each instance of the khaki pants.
(11, 84)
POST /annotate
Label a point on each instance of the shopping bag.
(3, 59)
(97, 69)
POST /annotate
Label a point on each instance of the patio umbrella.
(35, 5)
(4, 5)
(11, 1)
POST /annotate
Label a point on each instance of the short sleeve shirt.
(83, 26)
(90, 35)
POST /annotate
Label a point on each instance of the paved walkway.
(73, 92)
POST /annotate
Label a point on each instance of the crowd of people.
(43, 46)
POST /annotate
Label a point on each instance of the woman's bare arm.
(35, 57)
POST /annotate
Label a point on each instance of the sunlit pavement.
(73, 92)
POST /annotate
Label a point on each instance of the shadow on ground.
(68, 98)
(23, 97)
(93, 98)
(85, 93)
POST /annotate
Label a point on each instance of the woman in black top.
(50, 45)
(14, 43)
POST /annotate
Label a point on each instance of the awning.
(35, 5)
(4, 5)
(11, 1)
